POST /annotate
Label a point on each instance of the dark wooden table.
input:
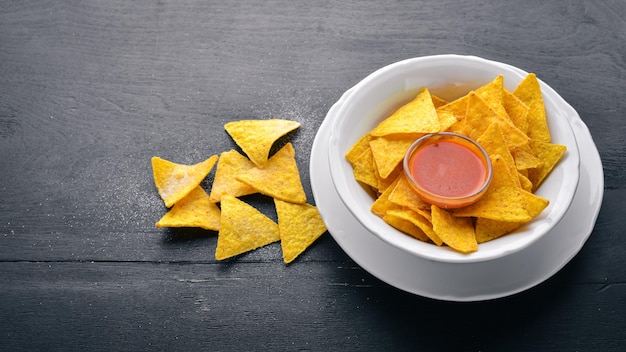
(91, 90)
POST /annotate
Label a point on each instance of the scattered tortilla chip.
(279, 178)
(415, 117)
(242, 229)
(194, 210)
(175, 181)
(230, 164)
(300, 225)
(458, 233)
(256, 137)
(529, 92)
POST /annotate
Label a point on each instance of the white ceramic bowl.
(448, 76)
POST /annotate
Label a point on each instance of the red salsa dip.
(448, 170)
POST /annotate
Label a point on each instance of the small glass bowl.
(446, 170)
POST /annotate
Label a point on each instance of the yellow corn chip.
(256, 137)
(419, 221)
(525, 158)
(279, 178)
(175, 181)
(529, 92)
(494, 143)
(358, 148)
(300, 225)
(382, 204)
(194, 210)
(438, 101)
(478, 113)
(365, 169)
(458, 109)
(487, 230)
(389, 152)
(516, 110)
(493, 95)
(230, 164)
(457, 233)
(502, 201)
(549, 154)
(415, 117)
(406, 227)
(383, 183)
(404, 196)
(242, 229)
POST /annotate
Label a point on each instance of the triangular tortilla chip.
(516, 110)
(502, 201)
(242, 229)
(493, 94)
(529, 92)
(389, 151)
(487, 230)
(417, 116)
(175, 181)
(419, 221)
(492, 140)
(194, 210)
(279, 178)
(406, 226)
(365, 169)
(438, 101)
(550, 154)
(456, 108)
(478, 112)
(256, 137)
(358, 148)
(404, 196)
(230, 164)
(382, 204)
(300, 225)
(457, 233)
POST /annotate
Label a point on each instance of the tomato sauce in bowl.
(447, 169)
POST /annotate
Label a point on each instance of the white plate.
(469, 281)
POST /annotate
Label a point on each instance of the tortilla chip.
(404, 196)
(416, 117)
(256, 137)
(525, 158)
(364, 169)
(487, 230)
(300, 225)
(438, 101)
(230, 164)
(358, 148)
(194, 210)
(242, 229)
(549, 154)
(419, 221)
(494, 143)
(529, 92)
(175, 181)
(456, 108)
(406, 227)
(480, 115)
(502, 201)
(457, 233)
(382, 204)
(389, 152)
(279, 178)
(516, 110)
(493, 95)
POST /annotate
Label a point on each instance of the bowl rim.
(396, 238)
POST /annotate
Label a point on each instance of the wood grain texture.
(91, 90)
